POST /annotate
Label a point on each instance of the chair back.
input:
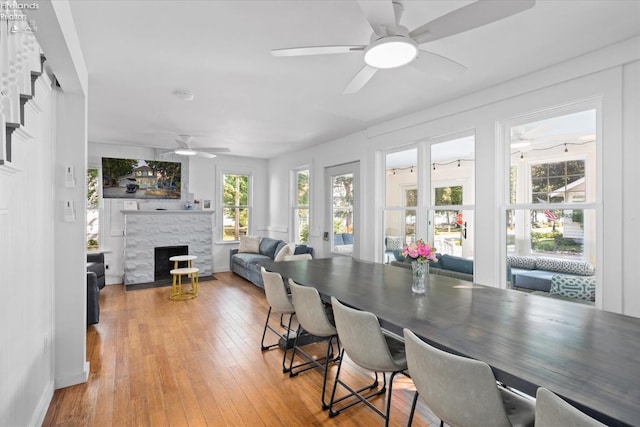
(276, 292)
(362, 338)
(460, 391)
(297, 257)
(552, 411)
(310, 310)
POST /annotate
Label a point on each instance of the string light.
(565, 144)
(458, 162)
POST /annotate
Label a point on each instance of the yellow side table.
(179, 294)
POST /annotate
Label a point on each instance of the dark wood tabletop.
(588, 356)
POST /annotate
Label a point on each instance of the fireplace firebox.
(162, 265)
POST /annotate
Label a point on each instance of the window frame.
(222, 206)
(296, 207)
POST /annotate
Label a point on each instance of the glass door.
(343, 188)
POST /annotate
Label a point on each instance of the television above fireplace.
(140, 179)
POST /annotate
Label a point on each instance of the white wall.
(610, 74)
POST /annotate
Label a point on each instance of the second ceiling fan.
(393, 45)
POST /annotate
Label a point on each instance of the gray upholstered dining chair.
(313, 319)
(367, 346)
(279, 302)
(462, 391)
(552, 411)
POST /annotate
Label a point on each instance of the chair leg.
(288, 329)
(354, 393)
(413, 409)
(264, 332)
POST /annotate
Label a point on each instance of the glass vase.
(420, 275)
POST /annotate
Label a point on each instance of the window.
(235, 206)
(401, 201)
(453, 195)
(93, 208)
(552, 187)
(301, 206)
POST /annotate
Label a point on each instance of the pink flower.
(419, 251)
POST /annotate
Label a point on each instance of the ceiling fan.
(184, 149)
(393, 45)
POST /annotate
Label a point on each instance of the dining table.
(589, 357)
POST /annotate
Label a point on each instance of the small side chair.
(552, 411)
(280, 303)
(367, 346)
(463, 392)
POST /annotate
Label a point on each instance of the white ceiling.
(138, 53)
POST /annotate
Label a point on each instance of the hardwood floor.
(156, 362)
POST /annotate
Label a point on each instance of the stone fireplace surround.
(146, 230)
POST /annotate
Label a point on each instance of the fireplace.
(146, 230)
(161, 256)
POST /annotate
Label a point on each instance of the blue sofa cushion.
(539, 280)
(337, 239)
(268, 246)
(245, 259)
(454, 263)
(347, 238)
(302, 249)
(583, 288)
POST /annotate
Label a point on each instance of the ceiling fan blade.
(205, 154)
(438, 66)
(474, 15)
(315, 50)
(360, 79)
(380, 15)
(213, 149)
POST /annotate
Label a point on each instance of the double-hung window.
(236, 209)
(301, 206)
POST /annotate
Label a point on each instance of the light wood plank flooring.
(156, 362)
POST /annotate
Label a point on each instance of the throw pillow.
(583, 288)
(284, 251)
(526, 262)
(249, 244)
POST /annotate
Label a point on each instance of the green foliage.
(449, 195)
(112, 169)
(92, 188)
(304, 233)
(92, 244)
(303, 188)
(168, 173)
(553, 241)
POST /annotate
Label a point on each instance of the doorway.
(343, 205)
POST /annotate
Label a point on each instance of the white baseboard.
(77, 378)
(43, 406)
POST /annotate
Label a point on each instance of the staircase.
(21, 64)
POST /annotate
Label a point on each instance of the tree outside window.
(301, 208)
(93, 211)
(235, 209)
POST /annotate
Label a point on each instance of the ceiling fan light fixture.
(391, 52)
(184, 152)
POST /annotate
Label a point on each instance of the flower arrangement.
(419, 251)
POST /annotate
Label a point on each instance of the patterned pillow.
(394, 243)
(583, 288)
(525, 262)
(249, 244)
(579, 268)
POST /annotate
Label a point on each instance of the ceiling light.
(391, 52)
(184, 151)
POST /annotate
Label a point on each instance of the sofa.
(343, 243)
(446, 265)
(93, 298)
(246, 262)
(557, 276)
(95, 264)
